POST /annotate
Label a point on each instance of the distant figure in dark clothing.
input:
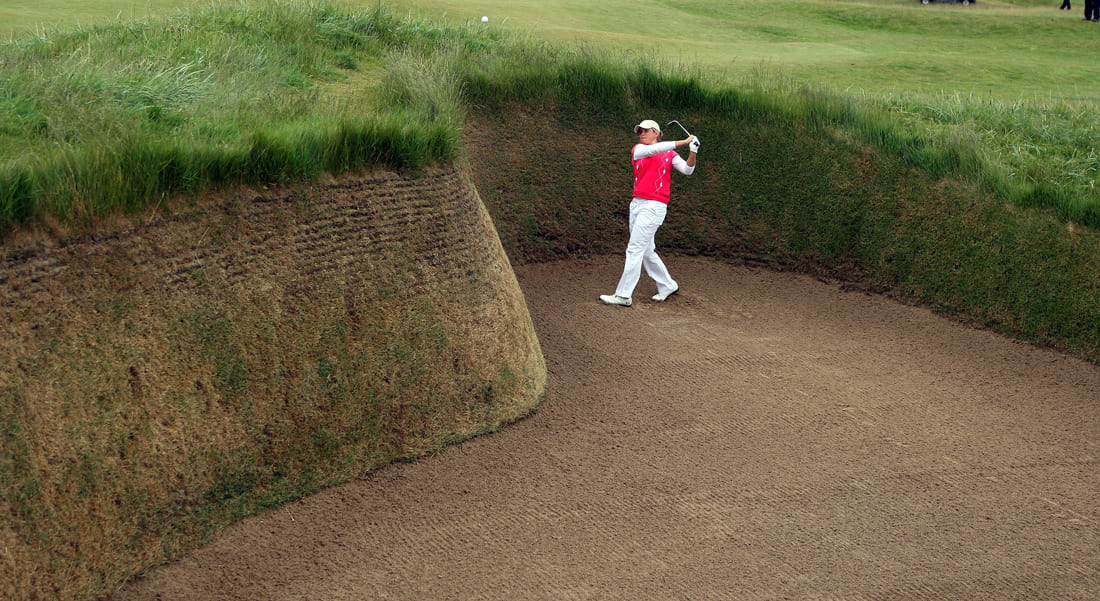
(1092, 10)
(1065, 5)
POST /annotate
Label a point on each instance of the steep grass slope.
(792, 195)
(168, 375)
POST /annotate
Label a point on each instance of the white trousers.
(645, 217)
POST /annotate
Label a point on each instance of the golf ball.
(484, 19)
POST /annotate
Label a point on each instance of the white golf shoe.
(615, 300)
(660, 296)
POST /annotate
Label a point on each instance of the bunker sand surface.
(761, 435)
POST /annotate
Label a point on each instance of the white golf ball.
(484, 19)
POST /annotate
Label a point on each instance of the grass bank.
(267, 91)
(801, 181)
(1006, 79)
(113, 118)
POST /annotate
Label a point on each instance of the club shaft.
(681, 126)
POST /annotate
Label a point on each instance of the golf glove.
(694, 145)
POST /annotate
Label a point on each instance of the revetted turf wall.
(173, 372)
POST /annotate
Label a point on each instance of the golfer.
(653, 164)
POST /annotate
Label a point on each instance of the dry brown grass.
(172, 373)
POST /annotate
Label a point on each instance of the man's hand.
(694, 144)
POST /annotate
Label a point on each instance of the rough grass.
(112, 118)
(214, 95)
(995, 80)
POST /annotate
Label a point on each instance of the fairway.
(991, 49)
(20, 18)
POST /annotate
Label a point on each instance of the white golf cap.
(647, 124)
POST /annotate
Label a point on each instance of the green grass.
(113, 117)
(1005, 80)
(19, 18)
(198, 94)
(996, 49)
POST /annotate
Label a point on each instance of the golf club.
(695, 144)
(679, 124)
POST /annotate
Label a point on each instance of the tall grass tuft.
(592, 79)
(669, 89)
(112, 118)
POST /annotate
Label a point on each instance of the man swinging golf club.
(653, 164)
